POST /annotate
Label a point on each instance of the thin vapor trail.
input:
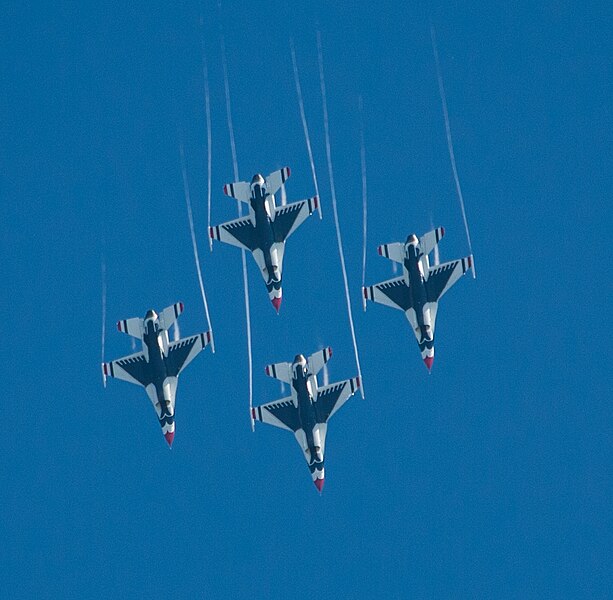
(334, 207)
(305, 127)
(441, 89)
(240, 213)
(176, 332)
(209, 146)
(195, 244)
(103, 274)
(364, 193)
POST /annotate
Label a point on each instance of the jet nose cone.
(276, 302)
(429, 360)
(319, 484)
(170, 436)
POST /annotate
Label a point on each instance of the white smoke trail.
(195, 244)
(441, 89)
(326, 376)
(207, 111)
(240, 212)
(103, 274)
(283, 196)
(364, 194)
(176, 332)
(334, 207)
(305, 127)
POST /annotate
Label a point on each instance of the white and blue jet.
(267, 227)
(158, 365)
(307, 410)
(420, 287)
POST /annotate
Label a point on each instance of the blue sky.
(490, 478)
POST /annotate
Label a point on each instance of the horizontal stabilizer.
(170, 314)
(319, 359)
(281, 371)
(276, 179)
(240, 190)
(428, 241)
(133, 327)
(393, 251)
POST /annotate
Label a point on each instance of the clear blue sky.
(490, 478)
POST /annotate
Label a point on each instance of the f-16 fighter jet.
(265, 230)
(307, 411)
(421, 286)
(158, 366)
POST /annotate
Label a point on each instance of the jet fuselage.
(414, 272)
(160, 391)
(264, 230)
(305, 387)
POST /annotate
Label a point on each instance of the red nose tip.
(276, 302)
(319, 484)
(429, 360)
(169, 435)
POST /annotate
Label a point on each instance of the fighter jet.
(267, 227)
(307, 410)
(158, 366)
(420, 287)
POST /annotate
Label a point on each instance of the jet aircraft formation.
(264, 232)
